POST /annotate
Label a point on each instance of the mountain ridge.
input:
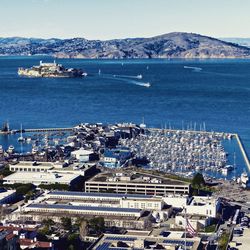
(170, 45)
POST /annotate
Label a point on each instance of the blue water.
(218, 94)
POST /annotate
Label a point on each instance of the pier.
(243, 151)
(35, 130)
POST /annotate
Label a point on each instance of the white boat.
(244, 179)
(139, 76)
(28, 139)
(10, 149)
(34, 150)
(1, 149)
(147, 85)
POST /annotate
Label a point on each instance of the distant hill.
(172, 45)
(240, 41)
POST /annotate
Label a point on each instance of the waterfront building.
(137, 183)
(82, 155)
(116, 157)
(41, 178)
(82, 169)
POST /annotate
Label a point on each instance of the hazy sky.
(105, 19)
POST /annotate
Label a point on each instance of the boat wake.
(143, 84)
(129, 76)
(194, 69)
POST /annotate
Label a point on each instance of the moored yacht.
(10, 149)
(244, 179)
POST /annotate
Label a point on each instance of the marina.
(181, 152)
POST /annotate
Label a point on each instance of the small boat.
(10, 149)
(34, 150)
(28, 139)
(147, 85)
(1, 149)
(244, 179)
(139, 76)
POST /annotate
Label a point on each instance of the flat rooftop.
(135, 178)
(131, 240)
(33, 164)
(5, 193)
(84, 208)
(98, 195)
(32, 177)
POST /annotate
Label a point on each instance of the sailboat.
(21, 138)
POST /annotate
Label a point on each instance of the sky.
(108, 19)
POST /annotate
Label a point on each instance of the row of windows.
(28, 169)
(120, 185)
(85, 212)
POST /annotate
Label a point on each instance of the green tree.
(198, 181)
(97, 225)
(66, 223)
(24, 188)
(48, 223)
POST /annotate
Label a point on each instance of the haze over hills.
(171, 45)
(238, 40)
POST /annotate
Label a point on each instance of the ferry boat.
(51, 70)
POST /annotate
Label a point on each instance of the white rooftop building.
(201, 205)
(81, 154)
(40, 178)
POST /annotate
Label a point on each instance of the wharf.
(46, 130)
(35, 130)
(243, 151)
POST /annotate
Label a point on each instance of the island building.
(135, 183)
(51, 70)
